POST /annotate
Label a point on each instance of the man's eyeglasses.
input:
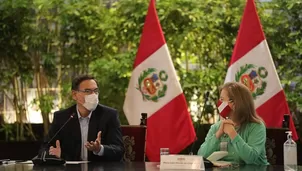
(89, 91)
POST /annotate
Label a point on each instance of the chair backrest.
(134, 138)
(275, 138)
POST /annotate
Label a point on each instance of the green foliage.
(46, 43)
(200, 45)
(283, 27)
(14, 28)
(67, 100)
(113, 76)
(195, 34)
(15, 65)
(45, 102)
(8, 131)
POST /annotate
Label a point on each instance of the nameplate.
(181, 162)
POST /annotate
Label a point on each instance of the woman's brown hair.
(244, 107)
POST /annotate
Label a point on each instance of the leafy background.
(46, 43)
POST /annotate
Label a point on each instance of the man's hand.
(96, 145)
(55, 151)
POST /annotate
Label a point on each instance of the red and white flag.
(224, 109)
(154, 89)
(252, 65)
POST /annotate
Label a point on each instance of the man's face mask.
(91, 101)
(223, 108)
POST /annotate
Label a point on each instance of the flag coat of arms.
(154, 89)
(252, 65)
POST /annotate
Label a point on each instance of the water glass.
(164, 151)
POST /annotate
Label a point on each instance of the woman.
(243, 135)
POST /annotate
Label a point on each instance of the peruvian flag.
(154, 89)
(252, 65)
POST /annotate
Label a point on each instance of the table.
(134, 166)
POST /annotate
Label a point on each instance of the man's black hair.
(79, 79)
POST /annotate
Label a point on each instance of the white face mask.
(91, 101)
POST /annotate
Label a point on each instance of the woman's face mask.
(224, 108)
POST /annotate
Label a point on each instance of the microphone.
(206, 98)
(207, 163)
(44, 158)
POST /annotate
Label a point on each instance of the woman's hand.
(229, 129)
(221, 129)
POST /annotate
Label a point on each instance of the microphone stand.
(43, 158)
(71, 116)
(206, 98)
(206, 162)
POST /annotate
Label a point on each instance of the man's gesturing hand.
(96, 145)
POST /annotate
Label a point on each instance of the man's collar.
(79, 115)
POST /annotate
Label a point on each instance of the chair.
(275, 138)
(134, 138)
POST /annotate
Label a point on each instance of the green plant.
(8, 131)
(283, 28)
(44, 44)
(16, 71)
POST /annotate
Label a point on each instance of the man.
(93, 133)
